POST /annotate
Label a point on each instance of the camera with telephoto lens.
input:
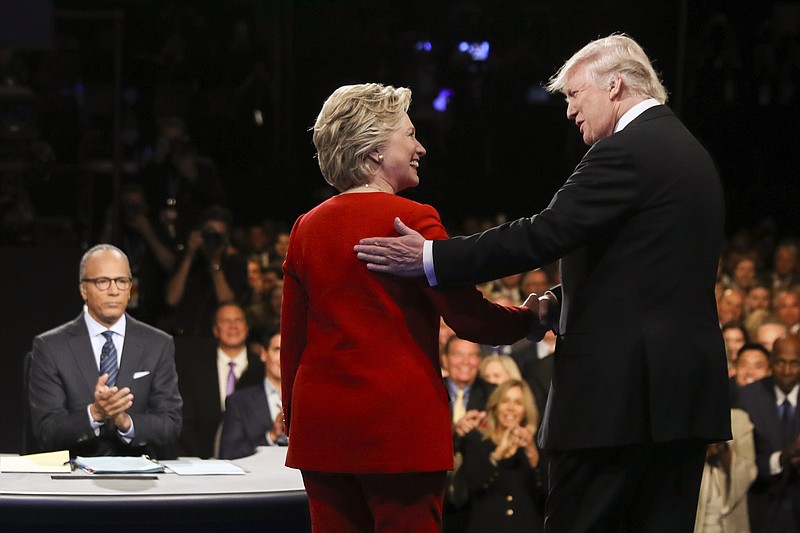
(212, 239)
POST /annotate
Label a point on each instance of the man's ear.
(615, 87)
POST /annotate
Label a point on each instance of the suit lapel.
(132, 352)
(81, 348)
(770, 408)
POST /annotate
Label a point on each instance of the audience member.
(500, 464)
(207, 275)
(735, 337)
(772, 406)
(498, 368)
(759, 296)
(752, 364)
(258, 241)
(132, 408)
(152, 257)
(744, 274)
(209, 374)
(180, 183)
(254, 415)
(784, 272)
(769, 331)
(729, 470)
(730, 305)
(535, 281)
(787, 309)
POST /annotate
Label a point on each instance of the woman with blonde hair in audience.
(499, 368)
(500, 464)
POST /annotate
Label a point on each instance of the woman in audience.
(500, 464)
(498, 368)
(735, 337)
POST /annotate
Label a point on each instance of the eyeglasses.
(103, 284)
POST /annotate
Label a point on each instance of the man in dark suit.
(254, 415)
(638, 227)
(209, 372)
(774, 499)
(105, 383)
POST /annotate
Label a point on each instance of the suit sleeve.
(161, 423)
(54, 426)
(294, 331)
(234, 442)
(465, 309)
(601, 192)
(743, 462)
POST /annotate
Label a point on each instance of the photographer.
(151, 254)
(209, 273)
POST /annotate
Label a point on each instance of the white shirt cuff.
(775, 463)
(427, 263)
(94, 423)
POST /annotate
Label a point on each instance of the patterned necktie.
(786, 421)
(458, 406)
(231, 386)
(108, 359)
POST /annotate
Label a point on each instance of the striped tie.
(108, 360)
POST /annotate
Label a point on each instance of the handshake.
(547, 312)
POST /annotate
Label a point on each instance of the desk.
(270, 497)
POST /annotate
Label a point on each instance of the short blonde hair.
(354, 121)
(531, 418)
(615, 54)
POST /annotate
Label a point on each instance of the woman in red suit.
(367, 412)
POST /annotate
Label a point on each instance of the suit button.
(509, 498)
(510, 512)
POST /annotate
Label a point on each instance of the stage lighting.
(478, 51)
(441, 101)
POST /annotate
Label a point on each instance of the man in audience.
(254, 415)
(468, 396)
(785, 263)
(209, 375)
(104, 383)
(208, 274)
(730, 306)
(787, 309)
(772, 406)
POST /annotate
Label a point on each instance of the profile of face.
(734, 340)
(230, 327)
(463, 360)
(787, 307)
(106, 306)
(281, 245)
(751, 366)
(510, 410)
(494, 372)
(254, 275)
(786, 363)
(592, 108)
(401, 154)
(271, 357)
(769, 333)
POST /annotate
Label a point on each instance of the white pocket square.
(138, 375)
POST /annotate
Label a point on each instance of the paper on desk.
(203, 467)
(39, 463)
(118, 465)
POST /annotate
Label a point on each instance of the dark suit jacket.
(199, 385)
(62, 381)
(771, 498)
(245, 424)
(639, 228)
(535, 371)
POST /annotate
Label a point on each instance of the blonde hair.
(615, 54)
(531, 418)
(354, 121)
(506, 360)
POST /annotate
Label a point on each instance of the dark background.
(499, 151)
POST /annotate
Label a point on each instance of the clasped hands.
(111, 403)
(513, 439)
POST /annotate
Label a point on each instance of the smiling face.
(106, 306)
(230, 327)
(463, 360)
(591, 108)
(751, 365)
(401, 155)
(511, 408)
(495, 373)
(786, 363)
